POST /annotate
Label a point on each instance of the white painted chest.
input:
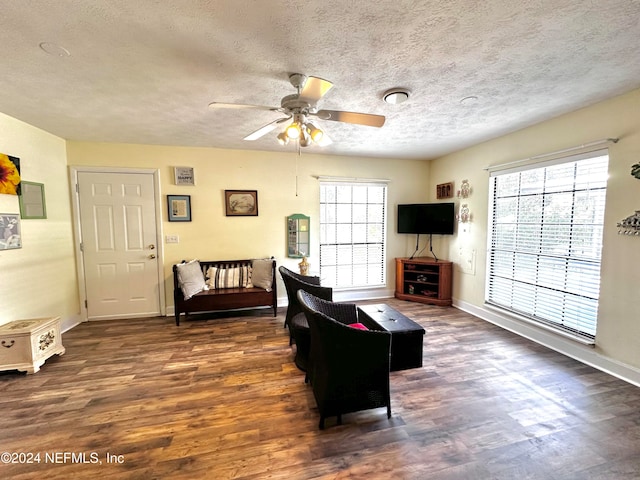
(26, 344)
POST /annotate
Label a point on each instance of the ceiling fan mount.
(301, 105)
(293, 104)
(298, 80)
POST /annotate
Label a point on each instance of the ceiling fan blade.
(240, 106)
(314, 89)
(368, 119)
(266, 129)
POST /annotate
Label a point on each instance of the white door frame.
(77, 231)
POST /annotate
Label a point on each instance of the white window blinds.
(352, 234)
(546, 225)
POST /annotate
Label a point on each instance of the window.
(546, 225)
(352, 234)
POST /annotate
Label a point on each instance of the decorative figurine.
(304, 266)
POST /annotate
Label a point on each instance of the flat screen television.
(426, 218)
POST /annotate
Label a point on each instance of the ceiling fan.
(298, 108)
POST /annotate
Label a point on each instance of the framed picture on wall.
(10, 231)
(444, 190)
(10, 168)
(241, 203)
(179, 208)
(32, 204)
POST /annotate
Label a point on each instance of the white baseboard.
(354, 295)
(67, 324)
(576, 350)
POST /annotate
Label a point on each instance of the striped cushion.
(229, 276)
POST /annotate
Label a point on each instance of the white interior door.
(118, 234)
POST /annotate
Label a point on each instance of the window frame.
(577, 314)
(331, 265)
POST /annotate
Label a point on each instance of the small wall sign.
(184, 176)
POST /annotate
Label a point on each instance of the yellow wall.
(213, 236)
(618, 333)
(39, 279)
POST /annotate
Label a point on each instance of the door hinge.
(82, 247)
(77, 188)
(86, 304)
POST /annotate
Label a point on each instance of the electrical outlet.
(172, 239)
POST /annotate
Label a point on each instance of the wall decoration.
(241, 203)
(304, 266)
(465, 214)
(298, 236)
(635, 170)
(184, 176)
(32, 203)
(179, 208)
(9, 174)
(465, 189)
(444, 190)
(10, 231)
(630, 225)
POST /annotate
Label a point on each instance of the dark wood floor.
(221, 398)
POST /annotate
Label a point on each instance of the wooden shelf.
(424, 280)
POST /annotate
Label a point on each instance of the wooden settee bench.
(220, 299)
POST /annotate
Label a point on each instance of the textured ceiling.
(145, 71)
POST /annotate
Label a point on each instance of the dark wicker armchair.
(348, 367)
(295, 318)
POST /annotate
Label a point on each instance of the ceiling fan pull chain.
(297, 169)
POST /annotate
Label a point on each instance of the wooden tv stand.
(424, 280)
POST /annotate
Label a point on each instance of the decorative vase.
(304, 266)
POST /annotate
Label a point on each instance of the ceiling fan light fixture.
(283, 139)
(396, 96)
(314, 132)
(293, 131)
(305, 139)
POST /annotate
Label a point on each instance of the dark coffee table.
(406, 335)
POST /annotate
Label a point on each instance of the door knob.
(152, 246)
(152, 256)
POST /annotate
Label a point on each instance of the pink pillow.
(359, 326)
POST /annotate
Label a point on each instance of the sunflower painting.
(9, 174)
